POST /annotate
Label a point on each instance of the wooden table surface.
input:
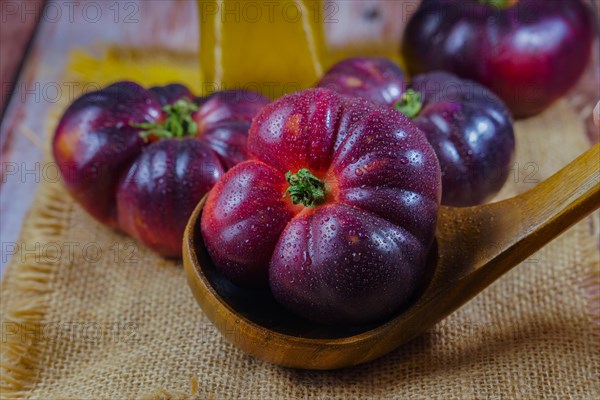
(61, 26)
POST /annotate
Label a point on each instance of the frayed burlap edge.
(30, 281)
(165, 394)
(31, 284)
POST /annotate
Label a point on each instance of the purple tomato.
(140, 159)
(529, 52)
(335, 212)
(468, 126)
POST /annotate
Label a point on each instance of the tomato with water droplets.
(335, 246)
(469, 127)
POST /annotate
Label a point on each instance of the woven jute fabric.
(88, 313)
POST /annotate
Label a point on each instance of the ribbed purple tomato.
(471, 132)
(529, 52)
(377, 79)
(336, 210)
(140, 159)
(468, 126)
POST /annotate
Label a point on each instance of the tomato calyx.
(501, 4)
(410, 104)
(305, 188)
(177, 124)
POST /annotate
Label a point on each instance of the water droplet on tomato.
(306, 259)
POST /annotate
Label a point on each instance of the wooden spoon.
(476, 246)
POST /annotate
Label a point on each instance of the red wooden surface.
(142, 23)
(18, 21)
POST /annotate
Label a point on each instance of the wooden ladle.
(476, 246)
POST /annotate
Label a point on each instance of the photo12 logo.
(268, 11)
(47, 92)
(71, 11)
(68, 331)
(69, 252)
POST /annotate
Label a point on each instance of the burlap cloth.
(86, 313)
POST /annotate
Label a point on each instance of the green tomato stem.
(177, 124)
(501, 4)
(305, 188)
(411, 104)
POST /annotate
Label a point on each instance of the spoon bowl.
(475, 246)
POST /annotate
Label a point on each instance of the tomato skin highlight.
(142, 184)
(358, 255)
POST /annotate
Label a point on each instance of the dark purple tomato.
(336, 210)
(95, 141)
(376, 79)
(140, 159)
(169, 94)
(162, 187)
(223, 120)
(529, 52)
(471, 132)
(468, 126)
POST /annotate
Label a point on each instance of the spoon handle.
(520, 226)
(480, 244)
(562, 200)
